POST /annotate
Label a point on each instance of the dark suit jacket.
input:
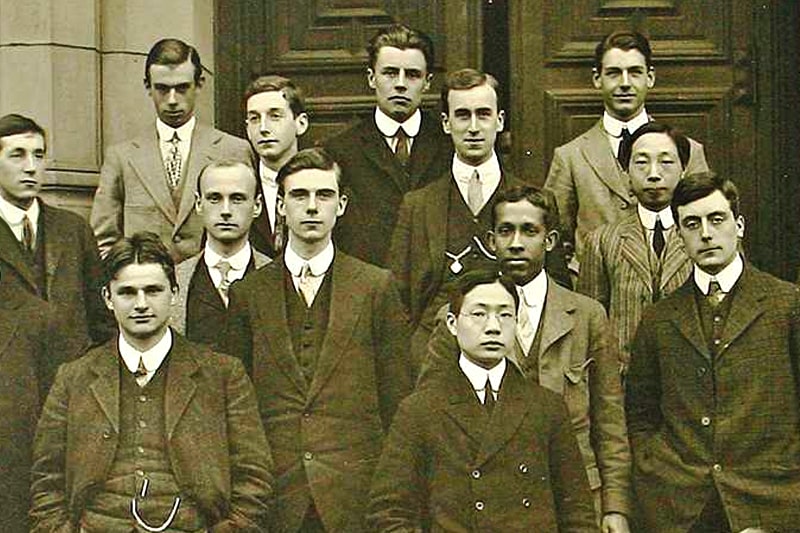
(577, 359)
(72, 274)
(262, 237)
(377, 182)
(133, 194)
(619, 270)
(325, 436)
(732, 423)
(447, 466)
(215, 440)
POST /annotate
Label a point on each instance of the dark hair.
(464, 79)
(541, 198)
(225, 163)
(172, 52)
(140, 248)
(15, 124)
(310, 158)
(481, 276)
(291, 92)
(624, 40)
(402, 37)
(699, 185)
(680, 140)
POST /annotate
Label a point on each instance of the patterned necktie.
(402, 150)
(658, 237)
(624, 151)
(525, 331)
(306, 285)
(715, 294)
(28, 241)
(224, 285)
(488, 399)
(141, 373)
(475, 193)
(173, 162)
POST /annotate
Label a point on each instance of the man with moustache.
(564, 343)
(147, 183)
(276, 118)
(399, 149)
(228, 203)
(586, 174)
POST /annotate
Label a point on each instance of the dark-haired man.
(147, 183)
(149, 431)
(713, 389)
(564, 343)
(276, 118)
(326, 338)
(481, 448)
(399, 149)
(586, 174)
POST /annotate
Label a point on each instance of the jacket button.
(623, 204)
(476, 474)
(479, 505)
(717, 342)
(106, 435)
(308, 456)
(176, 239)
(523, 468)
(526, 502)
(701, 371)
(717, 467)
(705, 421)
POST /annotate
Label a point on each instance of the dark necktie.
(489, 401)
(624, 151)
(658, 237)
(402, 150)
(715, 294)
(141, 373)
(27, 234)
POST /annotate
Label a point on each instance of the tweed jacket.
(215, 441)
(448, 466)
(577, 360)
(376, 182)
(620, 270)
(325, 434)
(133, 194)
(729, 422)
(591, 188)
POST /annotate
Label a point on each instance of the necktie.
(488, 399)
(306, 285)
(173, 162)
(525, 331)
(224, 285)
(624, 151)
(475, 193)
(402, 150)
(715, 294)
(141, 373)
(27, 234)
(658, 237)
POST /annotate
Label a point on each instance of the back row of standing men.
(324, 337)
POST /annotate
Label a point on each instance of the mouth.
(226, 225)
(142, 319)
(29, 183)
(624, 97)
(710, 250)
(311, 223)
(493, 345)
(267, 142)
(516, 261)
(402, 100)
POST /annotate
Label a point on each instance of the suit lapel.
(557, 318)
(54, 241)
(747, 306)
(181, 384)
(423, 150)
(509, 412)
(686, 319)
(208, 294)
(597, 153)
(636, 250)
(12, 254)
(463, 406)
(377, 151)
(436, 213)
(105, 387)
(674, 258)
(200, 154)
(149, 168)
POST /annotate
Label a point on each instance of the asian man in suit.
(586, 174)
(398, 149)
(147, 183)
(326, 338)
(228, 203)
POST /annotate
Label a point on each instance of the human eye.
(238, 198)
(39, 154)
(390, 72)
(478, 314)
(213, 198)
(414, 74)
(253, 118)
(506, 316)
(298, 195)
(530, 230)
(326, 194)
(691, 224)
(485, 114)
(612, 72)
(461, 114)
(504, 230)
(153, 290)
(182, 87)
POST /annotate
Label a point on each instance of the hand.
(615, 523)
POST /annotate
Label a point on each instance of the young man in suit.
(276, 118)
(46, 251)
(399, 149)
(639, 259)
(147, 183)
(149, 431)
(227, 202)
(713, 389)
(586, 174)
(327, 350)
(481, 448)
(564, 343)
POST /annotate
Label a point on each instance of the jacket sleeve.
(109, 203)
(100, 320)
(442, 350)
(561, 182)
(400, 253)
(593, 278)
(643, 384)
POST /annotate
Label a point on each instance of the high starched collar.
(648, 217)
(614, 126)
(238, 261)
(151, 358)
(727, 278)
(477, 374)
(319, 264)
(165, 132)
(389, 126)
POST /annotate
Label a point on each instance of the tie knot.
(224, 267)
(400, 134)
(175, 138)
(714, 288)
(305, 272)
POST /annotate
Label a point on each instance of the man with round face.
(713, 419)
(587, 174)
(326, 338)
(639, 259)
(398, 148)
(177, 441)
(227, 202)
(148, 182)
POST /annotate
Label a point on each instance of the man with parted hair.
(149, 432)
(148, 182)
(586, 174)
(398, 149)
(275, 115)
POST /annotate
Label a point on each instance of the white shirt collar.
(535, 290)
(648, 217)
(13, 215)
(319, 264)
(267, 175)
(165, 132)
(614, 127)
(238, 261)
(388, 126)
(477, 374)
(152, 358)
(726, 279)
(488, 170)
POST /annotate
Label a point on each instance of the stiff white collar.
(166, 132)
(238, 261)
(648, 217)
(535, 291)
(151, 358)
(727, 278)
(13, 215)
(477, 374)
(614, 127)
(319, 264)
(389, 126)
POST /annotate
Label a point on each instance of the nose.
(262, 121)
(473, 123)
(625, 81)
(30, 164)
(141, 302)
(516, 242)
(705, 230)
(172, 97)
(654, 172)
(311, 206)
(492, 323)
(226, 207)
(401, 79)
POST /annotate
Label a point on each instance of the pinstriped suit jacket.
(620, 270)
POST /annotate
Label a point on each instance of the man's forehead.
(172, 74)
(479, 97)
(275, 99)
(311, 179)
(519, 212)
(140, 274)
(707, 205)
(30, 140)
(617, 57)
(488, 295)
(390, 56)
(656, 142)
